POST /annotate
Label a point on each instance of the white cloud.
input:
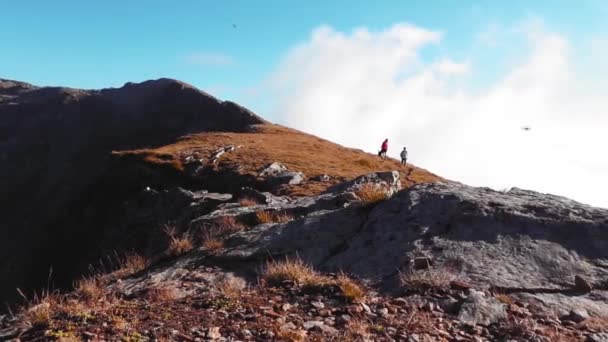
(361, 87)
(208, 58)
(491, 36)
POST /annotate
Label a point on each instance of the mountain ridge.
(62, 148)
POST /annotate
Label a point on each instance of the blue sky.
(454, 80)
(92, 44)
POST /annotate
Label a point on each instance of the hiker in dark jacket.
(404, 156)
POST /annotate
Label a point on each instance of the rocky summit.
(168, 215)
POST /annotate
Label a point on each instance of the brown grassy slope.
(298, 151)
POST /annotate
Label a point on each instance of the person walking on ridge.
(383, 149)
(404, 156)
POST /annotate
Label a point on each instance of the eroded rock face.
(519, 240)
(528, 243)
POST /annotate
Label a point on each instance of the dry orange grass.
(273, 143)
(212, 244)
(178, 244)
(425, 279)
(226, 225)
(504, 298)
(90, 289)
(282, 217)
(119, 323)
(129, 264)
(39, 310)
(357, 329)
(270, 217)
(247, 202)
(296, 270)
(39, 316)
(420, 321)
(231, 287)
(263, 216)
(371, 194)
(161, 294)
(134, 263)
(350, 290)
(291, 335)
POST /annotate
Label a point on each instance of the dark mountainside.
(213, 224)
(56, 144)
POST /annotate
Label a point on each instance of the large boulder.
(277, 174)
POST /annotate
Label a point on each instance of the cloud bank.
(360, 87)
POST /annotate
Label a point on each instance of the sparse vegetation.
(118, 322)
(212, 236)
(161, 294)
(128, 264)
(350, 290)
(270, 217)
(294, 270)
(231, 287)
(292, 335)
(282, 217)
(134, 337)
(39, 315)
(420, 321)
(134, 263)
(422, 280)
(358, 329)
(247, 202)
(178, 244)
(212, 244)
(370, 194)
(504, 298)
(90, 289)
(38, 311)
(225, 225)
(61, 335)
(264, 216)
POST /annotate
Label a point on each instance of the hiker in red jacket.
(383, 149)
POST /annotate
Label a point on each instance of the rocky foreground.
(363, 261)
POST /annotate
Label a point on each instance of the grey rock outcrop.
(277, 174)
(272, 170)
(390, 180)
(262, 197)
(523, 242)
(599, 337)
(481, 309)
(193, 167)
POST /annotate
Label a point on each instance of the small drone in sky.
(526, 128)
